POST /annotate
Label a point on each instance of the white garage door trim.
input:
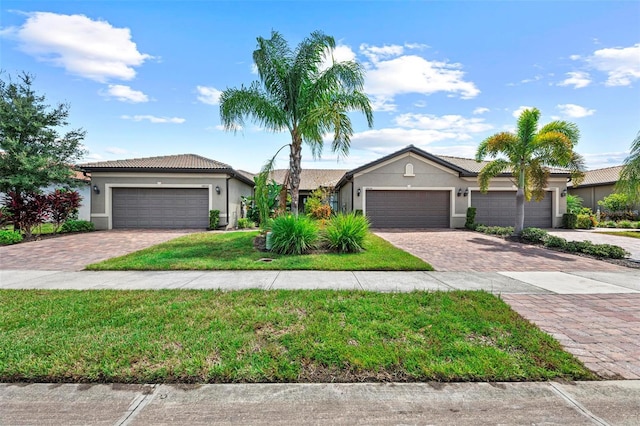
(109, 194)
(555, 201)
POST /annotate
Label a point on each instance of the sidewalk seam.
(138, 404)
(576, 405)
(270, 286)
(357, 280)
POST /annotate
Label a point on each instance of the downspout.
(227, 195)
(352, 198)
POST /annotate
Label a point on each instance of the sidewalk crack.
(556, 388)
(136, 406)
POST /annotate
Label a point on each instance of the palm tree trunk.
(295, 168)
(520, 202)
(519, 212)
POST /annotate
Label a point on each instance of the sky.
(143, 78)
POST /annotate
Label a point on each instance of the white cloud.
(84, 47)
(449, 123)
(384, 141)
(414, 74)
(604, 159)
(115, 150)
(577, 79)
(519, 111)
(382, 103)
(94, 157)
(575, 111)
(154, 119)
(531, 80)
(480, 110)
(125, 94)
(575, 57)
(208, 95)
(621, 64)
(343, 53)
(376, 53)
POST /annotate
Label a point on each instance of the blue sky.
(143, 77)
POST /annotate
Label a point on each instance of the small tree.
(266, 197)
(34, 153)
(617, 206)
(62, 206)
(28, 210)
(317, 205)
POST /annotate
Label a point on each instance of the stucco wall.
(592, 194)
(101, 203)
(237, 189)
(428, 175)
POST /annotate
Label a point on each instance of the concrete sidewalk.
(600, 403)
(494, 282)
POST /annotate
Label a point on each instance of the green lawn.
(271, 336)
(235, 251)
(42, 229)
(631, 234)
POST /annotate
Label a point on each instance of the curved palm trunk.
(295, 169)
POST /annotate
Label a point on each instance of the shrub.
(62, 206)
(637, 225)
(5, 217)
(584, 222)
(627, 224)
(245, 222)
(606, 250)
(317, 205)
(214, 219)
(470, 223)
(345, 233)
(534, 235)
(616, 206)
(608, 224)
(293, 234)
(77, 226)
(9, 237)
(555, 242)
(569, 220)
(28, 210)
(495, 230)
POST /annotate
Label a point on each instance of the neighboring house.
(312, 179)
(597, 184)
(414, 189)
(175, 191)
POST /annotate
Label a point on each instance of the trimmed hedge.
(77, 226)
(534, 235)
(214, 219)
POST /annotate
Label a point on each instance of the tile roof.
(605, 176)
(183, 162)
(468, 164)
(311, 179)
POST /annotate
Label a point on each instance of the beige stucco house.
(175, 191)
(597, 184)
(414, 189)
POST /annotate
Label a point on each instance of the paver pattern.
(74, 252)
(601, 330)
(452, 250)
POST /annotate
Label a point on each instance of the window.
(408, 170)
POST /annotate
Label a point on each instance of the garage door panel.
(160, 208)
(498, 208)
(408, 209)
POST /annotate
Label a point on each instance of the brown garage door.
(171, 208)
(408, 209)
(499, 209)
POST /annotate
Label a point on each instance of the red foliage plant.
(27, 210)
(62, 205)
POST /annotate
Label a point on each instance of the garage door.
(186, 208)
(499, 209)
(408, 209)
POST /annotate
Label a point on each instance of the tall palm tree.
(299, 92)
(528, 153)
(629, 182)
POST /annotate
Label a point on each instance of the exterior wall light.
(563, 193)
(217, 190)
(459, 192)
(358, 192)
(96, 189)
(466, 192)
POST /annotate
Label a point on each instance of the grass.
(631, 234)
(271, 336)
(42, 229)
(235, 251)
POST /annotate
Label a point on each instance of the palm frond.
(235, 104)
(491, 170)
(566, 128)
(537, 176)
(528, 125)
(629, 182)
(273, 59)
(500, 143)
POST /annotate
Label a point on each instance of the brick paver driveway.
(601, 330)
(464, 251)
(74, 252)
